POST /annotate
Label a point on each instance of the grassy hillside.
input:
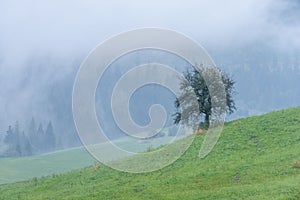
(24, 168)
(255, 158)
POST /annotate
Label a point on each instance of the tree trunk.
(206, 122)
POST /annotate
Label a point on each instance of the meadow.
(255, 158)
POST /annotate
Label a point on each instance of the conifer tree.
(50, 138)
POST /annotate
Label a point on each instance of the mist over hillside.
(43, 44)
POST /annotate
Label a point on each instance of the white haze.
(64, 32)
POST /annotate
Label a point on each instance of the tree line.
(36, 140)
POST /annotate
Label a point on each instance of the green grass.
(253, 159)
(24, 168)
(20, 169)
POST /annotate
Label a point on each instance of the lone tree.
(204, 84)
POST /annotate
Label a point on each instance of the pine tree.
(41, 139)
(9, 138)
(12, 139)
(32, 136)
(18, 141)
(26, 148)
(50, 138)
(9, 141)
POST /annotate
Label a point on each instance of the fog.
(42, 43)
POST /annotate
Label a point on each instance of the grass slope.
(252, 160)
(24, 168)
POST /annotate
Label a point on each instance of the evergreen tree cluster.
(35, 140)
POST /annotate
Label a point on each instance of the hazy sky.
(67, 30)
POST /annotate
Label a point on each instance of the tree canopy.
(213, 91)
